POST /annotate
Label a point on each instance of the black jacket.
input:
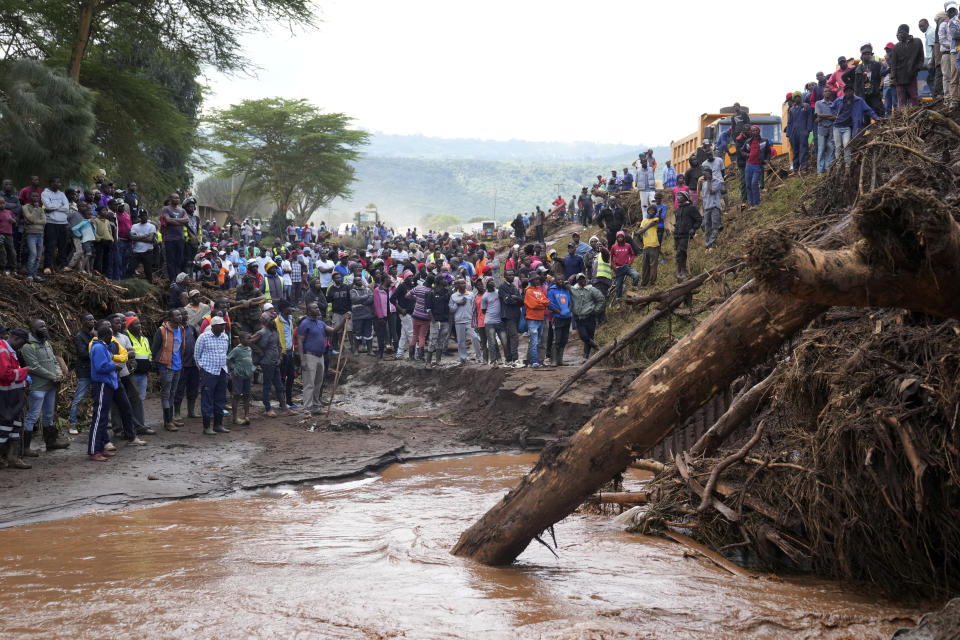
(400, 300)
(339, 297)
(438, 302)
(867, 80)
(313, 295)
(511, 301)
(688, 219)
(612, 218)
(81, 344)
(906, 60)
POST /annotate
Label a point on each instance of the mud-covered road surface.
(414, 413)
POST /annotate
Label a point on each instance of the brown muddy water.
(369, 559)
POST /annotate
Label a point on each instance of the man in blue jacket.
(849, 110)
(559, 299)
(799, 126)
(103, 376)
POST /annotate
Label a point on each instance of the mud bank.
(417, 414)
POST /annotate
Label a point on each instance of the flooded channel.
(370, 559)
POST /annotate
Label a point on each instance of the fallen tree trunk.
(740, 411)
(907, 258)
(740, 334)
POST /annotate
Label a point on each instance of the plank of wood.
(709, 554)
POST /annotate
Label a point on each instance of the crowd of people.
(295, 304)
(242, 311)
(832, 109)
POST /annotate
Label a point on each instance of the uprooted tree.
(903, 250)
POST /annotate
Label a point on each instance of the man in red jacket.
(622, 253)
(13, 383)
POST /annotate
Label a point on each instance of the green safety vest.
(603, 268)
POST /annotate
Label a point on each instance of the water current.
(370, 559)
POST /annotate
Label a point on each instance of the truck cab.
(488, 230)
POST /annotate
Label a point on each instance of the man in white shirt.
(143, 235)
(325, 270)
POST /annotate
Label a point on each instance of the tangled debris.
(61, 299)
(851, 464)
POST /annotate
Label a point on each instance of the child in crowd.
(240, 364)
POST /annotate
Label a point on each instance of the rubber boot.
(13, 455)
(53, 440)
(429, 358)
(192, 408)
(236, 409)
(176, 410)
(3, 455)
(246, 409)
(557, 356)
(420, 353)
(207, 430)
(218, 425)
(168, 422)
(27, 452)
(412, 353)
(436, 357)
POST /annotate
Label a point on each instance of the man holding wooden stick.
(312, 346)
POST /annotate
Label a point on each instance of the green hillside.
(407, 189)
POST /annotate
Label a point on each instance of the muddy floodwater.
(370, 559)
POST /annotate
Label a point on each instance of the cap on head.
(181, 277)
(216, 320)
(194, 292)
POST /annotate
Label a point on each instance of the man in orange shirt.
(536, 303)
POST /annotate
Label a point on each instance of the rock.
(938, 625)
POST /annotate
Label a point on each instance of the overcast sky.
(620, 72)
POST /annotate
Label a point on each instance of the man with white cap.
(196, 309)
(210, 353)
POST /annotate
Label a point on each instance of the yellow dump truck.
(713, 125)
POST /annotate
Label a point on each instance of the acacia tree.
(289, 150)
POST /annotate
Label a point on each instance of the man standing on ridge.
(905, 62)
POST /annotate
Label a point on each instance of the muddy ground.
(415, 413)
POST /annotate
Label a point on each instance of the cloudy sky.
(619, 72)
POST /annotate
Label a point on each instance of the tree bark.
(742, 408)
(740, 334)
(907, 257)
(84, 23)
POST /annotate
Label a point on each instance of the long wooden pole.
(336, 379)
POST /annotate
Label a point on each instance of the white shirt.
(143, 229)
(326, 279)
(57, 206)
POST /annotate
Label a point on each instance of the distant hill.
(410, 177)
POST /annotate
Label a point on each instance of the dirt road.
(414, 412)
